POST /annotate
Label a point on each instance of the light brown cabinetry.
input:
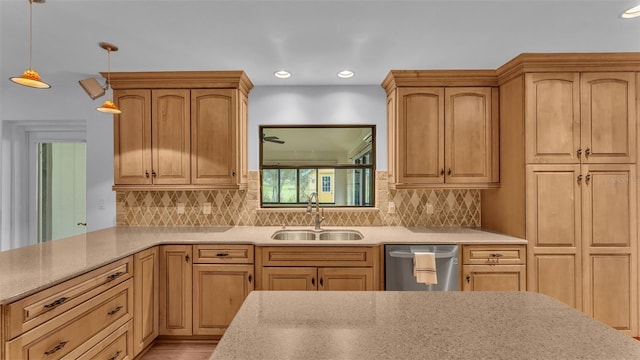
(202, 287)
(494, 268)
(568, 179)
(152, 137)
(581, 117)
(180, 130)
(145, 290)
(441, 135)
(175, 290)
(74, 319)
(223, 277)
(318, 268)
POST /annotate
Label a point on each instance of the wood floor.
(179, 351)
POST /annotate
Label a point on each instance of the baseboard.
(202, 339)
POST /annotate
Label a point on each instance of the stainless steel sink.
(317, 235)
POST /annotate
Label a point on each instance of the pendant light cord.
(30, 31)
(108, 69)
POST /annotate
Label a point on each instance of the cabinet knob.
(441, 171)
(468, 278)
(313, 281)
(153, 173)
(146, 174)
(250, 278)
(587, 178)
(186, 258)
(233, 173)
(579, 152)
(579, 178)
(321, 282)
(449, 172)
(587, 152)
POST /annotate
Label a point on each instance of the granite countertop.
(29, 269)
(416, 325)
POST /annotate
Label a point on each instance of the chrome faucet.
(319, 217)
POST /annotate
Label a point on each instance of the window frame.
(363, 167)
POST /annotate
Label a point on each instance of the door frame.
(19, 222)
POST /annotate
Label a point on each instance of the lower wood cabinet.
(312, 278)
(145, 298)
(176, 290)
(202, 287)
(218, 293)
(494, 268)
(86, 317)
(318, 268)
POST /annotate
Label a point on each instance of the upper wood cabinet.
(181, 130)
(442, 135)
(581, 117)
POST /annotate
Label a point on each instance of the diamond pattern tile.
(451, 207)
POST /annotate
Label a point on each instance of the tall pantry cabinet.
(568, 178)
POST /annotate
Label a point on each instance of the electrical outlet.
(206, 208)
(429, 208)
(180, 208)
(392, 207)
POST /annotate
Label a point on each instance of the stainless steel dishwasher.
(399, 267)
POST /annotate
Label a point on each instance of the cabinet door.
(145, 298)
(289, 278)
(554, 231)
(494, 278)
(170, 128)
(610, 250)
(175, 290)
(132, 138)
(420, 152)
(347, 279)
(213, 137)
(608, 117)
(470, 133)
(552, 118)
(218, 293)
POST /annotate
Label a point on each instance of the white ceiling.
(312, 39)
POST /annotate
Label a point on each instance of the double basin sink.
(317, 235)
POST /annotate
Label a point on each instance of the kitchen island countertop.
(417, 325)
(26, 270)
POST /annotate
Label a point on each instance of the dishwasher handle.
(405, 254)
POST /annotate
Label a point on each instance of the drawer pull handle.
(114, 311)
(116, 355)
(114, 276)
(55, 303)
(56, 348)
(222, 254)
(496, 255)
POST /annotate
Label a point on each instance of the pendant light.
(30, 77)
(108, 106)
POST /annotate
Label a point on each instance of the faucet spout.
(319, 218)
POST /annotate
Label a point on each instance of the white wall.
(317, 105)
(267, 106)
(19, 103)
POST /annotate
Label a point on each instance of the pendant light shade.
(108, 106)
(30, 77)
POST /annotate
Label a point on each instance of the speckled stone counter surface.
(29, 269)
(416, 325)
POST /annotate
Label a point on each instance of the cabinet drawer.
(317, 256)
(26, 314)
(492, 254)
(223, 254)
(77, 330)
(116, 346)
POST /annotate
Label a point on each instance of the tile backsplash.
(437, 208)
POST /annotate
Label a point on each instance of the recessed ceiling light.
(345, 74)
(282, 74)
(631, 13)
